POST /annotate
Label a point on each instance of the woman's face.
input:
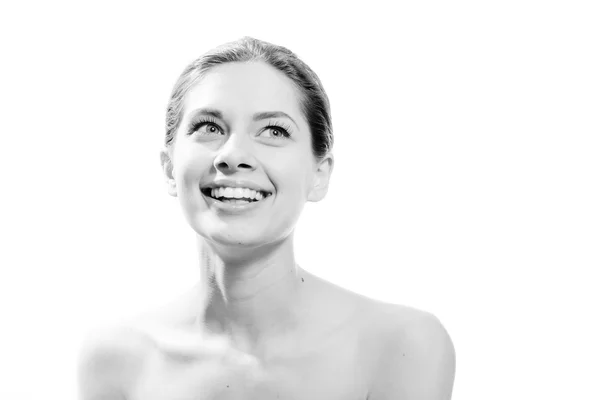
(242, 127)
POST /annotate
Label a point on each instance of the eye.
(205, 127)
(209, 128)
(277, 131)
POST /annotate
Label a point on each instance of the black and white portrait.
(266, 200)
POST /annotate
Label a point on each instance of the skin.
(257, 325)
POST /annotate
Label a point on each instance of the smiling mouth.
(249, 196)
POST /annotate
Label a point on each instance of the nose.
(235, 154)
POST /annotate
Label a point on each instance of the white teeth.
(236, 201)
(236, 193)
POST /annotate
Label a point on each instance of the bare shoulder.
(395, 318)
(110, 361)
(413, 354)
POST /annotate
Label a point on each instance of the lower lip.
(232, 207)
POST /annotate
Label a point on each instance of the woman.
(248, 142)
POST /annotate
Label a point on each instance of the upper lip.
(234, 184)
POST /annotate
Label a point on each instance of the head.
(248, 114)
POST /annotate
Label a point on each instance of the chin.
(242, 236)
(236, 241)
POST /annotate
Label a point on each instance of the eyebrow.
(272, 114)
(256, 117)
(208, 111)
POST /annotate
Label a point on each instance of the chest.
(327, 373)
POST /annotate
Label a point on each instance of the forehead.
(243, 88)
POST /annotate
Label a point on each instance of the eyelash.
(195, 125)
(284, 128)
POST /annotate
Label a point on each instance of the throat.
(256, 312)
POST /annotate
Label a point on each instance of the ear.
(321, 180)
(167, 166)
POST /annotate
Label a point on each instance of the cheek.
(190, 165)
(295, 180)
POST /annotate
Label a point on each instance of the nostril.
(225, 166)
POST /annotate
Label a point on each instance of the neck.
(252, 298)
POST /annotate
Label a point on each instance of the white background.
(467, 176)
